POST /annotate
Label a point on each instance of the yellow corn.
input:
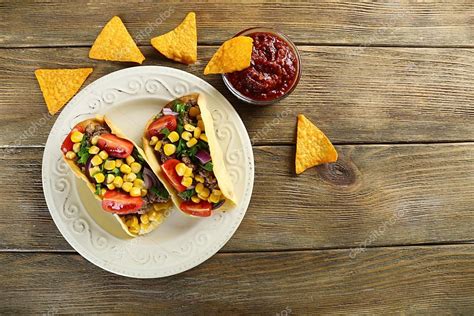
(136, 167)
(93, 171)
(199, 188)
(188, 172)
(195, 199)
(135, 192)
(76, 147)
(139, 183)
(199, 179)
(173, 137)
(143, 192)
(130, 159)
(213, 198)
(189, 127)
(144, 219)
(194, 111)
(94, 150)
(197, 132)
(94, 140)
(76, 136)
(110, 178)
(118, 163)
(155, 216)
(103, 154)
(96, 160)
(153, 140)
(186, 135)
(193, 141)
(127, 186)
(99, 177)
(109, 165)
(203, 137)
(201, 125)
(125, 169)
(102, 192)
(169, 149)
(216, 192)
(187, 181)
(204, 194)
(111, 186)
(130, 177)
(180, 169)
(70, 155)
(118, 181)
(158, 145)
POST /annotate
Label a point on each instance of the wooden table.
(389, 228)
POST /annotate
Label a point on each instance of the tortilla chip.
(179, 44)
(312, 146)
(114, 43)
(234, 55)
(60, 85)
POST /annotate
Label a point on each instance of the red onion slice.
(203, 156)
(168, 111)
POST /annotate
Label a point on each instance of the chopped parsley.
(160, 191)
(186, 195)
(97, 189)
(83, 153)
(165, 132)
(180, 107)
(209, 166)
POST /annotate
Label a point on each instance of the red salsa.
(272, 72)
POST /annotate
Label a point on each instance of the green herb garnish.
(83, 153)
(208, 166)
(115, 171)
(98, 189)
(186, 195)
(180, 107)
(165, 131)
(160, 191)
(137, 156)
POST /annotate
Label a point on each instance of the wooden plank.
(411, 280)
(371, 95)
(27, 24)
(375, 195)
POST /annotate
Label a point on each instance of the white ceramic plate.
(130, 97)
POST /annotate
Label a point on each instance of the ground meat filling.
(95, 130)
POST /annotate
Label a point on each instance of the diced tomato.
(67, 143)
(166, 121)
(121, 203)
(115, 146)
(172, 175)
(201, 209)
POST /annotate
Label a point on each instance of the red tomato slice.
(166, 121)
(115, 146)
(171, 175)
(67, 143)
(201, 209)
(121, 203)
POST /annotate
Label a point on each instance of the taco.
(117, 173)
(182, 148)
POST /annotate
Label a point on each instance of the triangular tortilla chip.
(60, 85)
(179, 44)
(115, 43)
(312, 146)
(234, 55)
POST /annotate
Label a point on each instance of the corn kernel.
(203, 137)
(153, 140)
(103, 154)
(76, 136)
(96, 160)
(93, 171)
(189, 127)
(76, 147)
(173, 137)
(118, 181)
(180, 169)
(110, 178)
(201, 125)
(125, 169)
(70, 155)
(213, 198)
(186, 135)
(127, 186)
(144, 219)
(194, 111)
(135, 191)
(109, 165)
(130, 177)
(188, 172)
(143, 192)
(144, 227)
(195, 199)
(99, 177)
(199, 179)
(94, 150)
(154, 216)
(139, 183)
(158, 145)
(193, 141)
(197, 132)
(111, 186)
(118, 163)
(130, 159)
(102, 192)
(199, 188)
(94, 140)
(187, 181)
(169, 149)
(204, 194)
(136, 167)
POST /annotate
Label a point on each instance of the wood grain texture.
(355, 95)
(374, 195)
(409, 281)
(25, 23)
